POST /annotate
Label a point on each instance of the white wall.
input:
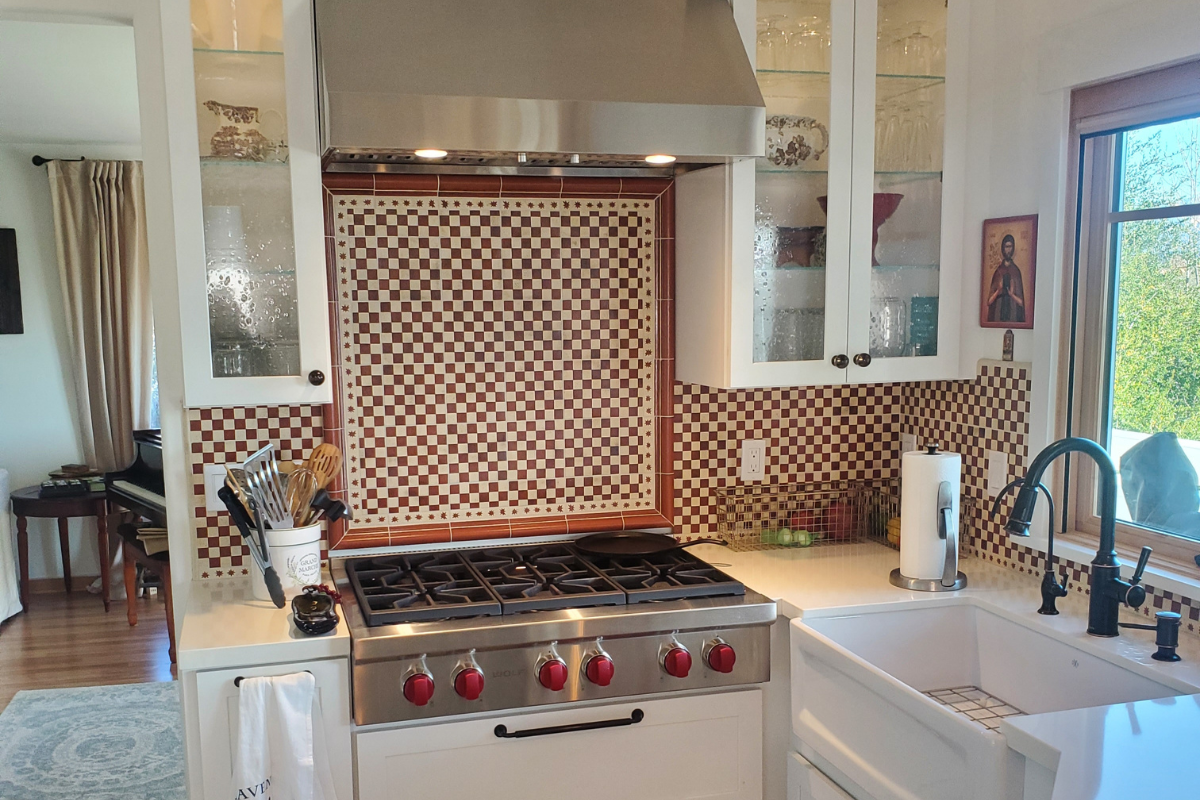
(1025, 56)
(38, 430)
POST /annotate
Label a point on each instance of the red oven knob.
(468, 683)
(418, 689)
(721, 657)
(553, 675)
(600, 670)
(677, 662)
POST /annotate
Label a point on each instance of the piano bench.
(159, 564)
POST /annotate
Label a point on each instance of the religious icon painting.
(1008, 272)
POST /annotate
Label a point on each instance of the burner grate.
(512, 580)
(419, 587)
(672, 575)
(543, 578)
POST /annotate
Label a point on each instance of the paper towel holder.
(951, 579)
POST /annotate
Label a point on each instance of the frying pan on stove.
(634, 543)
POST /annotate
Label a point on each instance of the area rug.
(94, 743)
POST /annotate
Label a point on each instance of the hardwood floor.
(67, 640)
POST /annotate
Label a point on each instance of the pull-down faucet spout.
(1108, 590)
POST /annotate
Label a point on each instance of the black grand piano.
(139, 488)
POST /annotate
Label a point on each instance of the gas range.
(440, 634)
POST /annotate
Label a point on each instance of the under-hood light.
(435, 153)
(660, 158)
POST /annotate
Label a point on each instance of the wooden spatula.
(325, 461)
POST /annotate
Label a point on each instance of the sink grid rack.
(768, 516)
(884, 505)
(975, 704)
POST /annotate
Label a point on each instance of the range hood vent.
(609, 80)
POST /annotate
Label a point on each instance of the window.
(1134, 382)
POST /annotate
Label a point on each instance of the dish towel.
(10, 598)
(280, 753)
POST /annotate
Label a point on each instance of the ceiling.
(62, 83)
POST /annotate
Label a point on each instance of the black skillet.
(634, 543)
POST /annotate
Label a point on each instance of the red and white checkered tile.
(813, 433)
(498, 356)
(228, 436)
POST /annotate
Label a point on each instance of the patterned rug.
(98, 743)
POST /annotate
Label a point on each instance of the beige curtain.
(100, 231)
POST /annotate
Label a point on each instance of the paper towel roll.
(922, 551)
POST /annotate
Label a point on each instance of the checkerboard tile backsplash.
(813, 433)
(498, 357)
(231, 435)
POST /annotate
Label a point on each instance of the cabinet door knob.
(316, 377)
(840, 361)
(862, 359)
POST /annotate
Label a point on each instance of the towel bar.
(237, 682)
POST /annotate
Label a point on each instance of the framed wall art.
(1008, 272)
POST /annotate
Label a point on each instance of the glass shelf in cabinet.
(898, 267)
(237, 52)
(784, 171)
(209, 161)
(912, 77)
(792, 72)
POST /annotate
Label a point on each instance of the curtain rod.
(40, 161)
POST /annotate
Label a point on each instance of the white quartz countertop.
(225, 627)
(1145, 749)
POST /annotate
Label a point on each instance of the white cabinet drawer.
(217, 721)
(701, 746)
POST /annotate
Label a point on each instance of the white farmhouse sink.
(859, 712)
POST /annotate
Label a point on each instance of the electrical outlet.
(908, 442)
(754, 460)
(997, 474)
(214, 479)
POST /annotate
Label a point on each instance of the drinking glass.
(772, 44)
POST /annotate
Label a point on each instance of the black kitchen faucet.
(1108, 589)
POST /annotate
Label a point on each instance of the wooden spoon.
(325, 461)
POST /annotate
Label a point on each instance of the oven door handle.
(637, 716)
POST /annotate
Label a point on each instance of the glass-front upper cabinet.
(801, 186)
(899, 186)
(263, 317)
(831, 245)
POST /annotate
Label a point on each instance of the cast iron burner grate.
(513, 580)
(543, 578)
(672, 575)
(422, 586)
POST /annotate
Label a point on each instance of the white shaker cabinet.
(211, 711)
(837, 257)
(683, 748)
(250, 232)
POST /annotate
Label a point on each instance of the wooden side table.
(26, 503)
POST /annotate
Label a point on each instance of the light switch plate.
(908, 442)
(214, 479)
(754, 458)
(997, 474)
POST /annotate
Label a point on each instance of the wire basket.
(814, 514)
(801, 514)
(883, 506)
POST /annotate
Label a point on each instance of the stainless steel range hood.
(609, 80)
